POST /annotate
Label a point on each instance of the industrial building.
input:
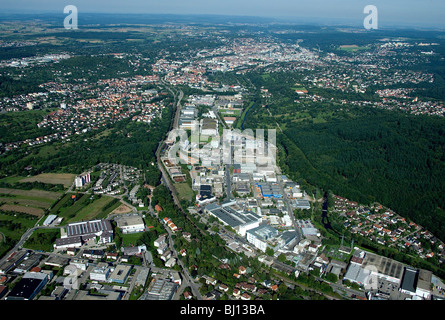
(259, 236)
(13, 260)
(77, 233)
(187, 118)
(160, 289)
(300, 204)
(209, 127)
(367, 266)
(71, 242)
(270, 190)
(230, 214)
(120, 273)
(29, 286)
(384, 267)
(130, 224)
(49, 219)
(416, 282)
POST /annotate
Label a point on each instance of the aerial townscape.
(215, 158)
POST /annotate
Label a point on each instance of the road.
(288, 205)
(229, 195)
(20, 243)
(187, 279)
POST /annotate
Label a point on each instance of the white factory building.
(231, 214)
(259, 236)
(130, 224)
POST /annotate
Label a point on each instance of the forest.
(394, 159)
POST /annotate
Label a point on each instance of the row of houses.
(164, 251)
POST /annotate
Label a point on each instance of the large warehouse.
(96, 227)
(77, 233)
(231, 214)
(130, 223)
(270, 190)
(368, 265)
(28, 287)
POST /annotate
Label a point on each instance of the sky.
(415, 13)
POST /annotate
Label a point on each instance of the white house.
(159, 241)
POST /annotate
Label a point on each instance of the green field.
(352, 48)
(12, 179)
(42, 239)
(185, 191)
(26, 121)
(145, 237)
(231, 113)
(131, 239)
(12, 226)
(84, 207)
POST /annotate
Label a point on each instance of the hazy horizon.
(428, 13)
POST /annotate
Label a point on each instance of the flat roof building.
(209, 127)
(372, 266)
(130, 224)
(357, 274)
(71, 242)
(424, 284)
(77, 233)
(96, 227)
(28, 287)
(270, 190)
(384, 267)
(301, 204)
(120, 273)
(231, 214)
(260, 235)
(100, 273)
(160, 289)
(409, 281)
(310, 231)
(416, 282)
(12, 261)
